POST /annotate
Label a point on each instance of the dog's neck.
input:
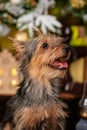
(40, 92)
(41, 106)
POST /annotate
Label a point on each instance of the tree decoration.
(4, 29)
(26, 17)
(15, 1)
(78, 3)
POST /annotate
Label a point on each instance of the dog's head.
(43, 57)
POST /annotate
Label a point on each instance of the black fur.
(29, 94)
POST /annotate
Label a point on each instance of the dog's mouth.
(58, 64)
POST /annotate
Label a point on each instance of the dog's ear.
(37, 32)
(25, 48)
(19, 46)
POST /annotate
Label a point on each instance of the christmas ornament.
(78, 3)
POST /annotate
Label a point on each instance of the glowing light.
(14, 82)
(14, 72)
(0, 82)
(22, 36)
(1, 71)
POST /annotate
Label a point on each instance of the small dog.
(37, 105)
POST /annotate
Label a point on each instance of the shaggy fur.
(37, 105)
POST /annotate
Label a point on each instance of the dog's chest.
(36, 118)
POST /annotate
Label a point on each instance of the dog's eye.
(45, 45)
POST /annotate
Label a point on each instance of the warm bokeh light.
(78, 3)
(14, 72)
(14, 82)
(1, 71)
(0, 82)
(22, 36)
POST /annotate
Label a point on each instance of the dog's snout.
(66, 48)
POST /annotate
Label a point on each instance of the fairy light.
(1, 71)
(0, 82)
(14, 82)
(14, 72)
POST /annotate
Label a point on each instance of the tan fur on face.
(38, 67)
(39, 94)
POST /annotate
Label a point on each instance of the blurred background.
(65, 18)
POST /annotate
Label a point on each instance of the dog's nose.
(66, 48)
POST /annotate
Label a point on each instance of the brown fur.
(30, 116)
(37, 104)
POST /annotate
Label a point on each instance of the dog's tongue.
(60, 65)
